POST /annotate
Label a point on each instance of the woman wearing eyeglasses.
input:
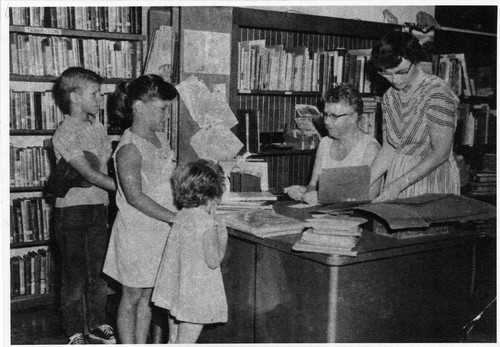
(420, 116)
(346, 144)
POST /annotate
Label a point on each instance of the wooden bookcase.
(30, 26)
(277, 108)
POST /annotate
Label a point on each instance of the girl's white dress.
(185, 284)
(137, 240)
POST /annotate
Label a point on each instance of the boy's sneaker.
(103, 334)
(76, 339)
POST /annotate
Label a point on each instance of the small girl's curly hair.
(197, 182)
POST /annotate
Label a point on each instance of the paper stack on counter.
(263, 223)
(330, 235)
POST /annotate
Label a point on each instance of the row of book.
(31, 273)
(34, 110)
(29, 220)
(51, 55)
(453, 69)
(476, 124)
(275, 67)
(107, 19)
(29, 166)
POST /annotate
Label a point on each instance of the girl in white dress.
(189, 282)
(144, 163)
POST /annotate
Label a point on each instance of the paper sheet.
(216, 144)
(206, 108)
(206, 52)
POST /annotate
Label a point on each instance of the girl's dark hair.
(69, 81)
(393, 47)
(144, 88)
(346, 94)
(197, 182)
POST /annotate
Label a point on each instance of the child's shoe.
(103, 334)
(76, 339)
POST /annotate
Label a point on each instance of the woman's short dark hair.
(393, 47)
(144, 88)
(197, 182)
(346, 94)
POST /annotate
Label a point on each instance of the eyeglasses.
(399, 73)
(333, 116)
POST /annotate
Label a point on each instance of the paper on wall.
(206, 52)
(206, 108)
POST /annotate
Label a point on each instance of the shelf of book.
(49, 79)
(28, 301)
(29, 244)
(26, 189)
(75, 33)
(41, 132)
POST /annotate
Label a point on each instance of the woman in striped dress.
(420, 113)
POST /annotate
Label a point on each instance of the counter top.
(371, 246)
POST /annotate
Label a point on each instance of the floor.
(42, 326)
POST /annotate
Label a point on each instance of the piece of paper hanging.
(216, 143)
(206, 52)
(206, 108)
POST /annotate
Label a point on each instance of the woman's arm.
(215, 243)
(371, 152)
(129, 161)
(381, 163)
(441, 142)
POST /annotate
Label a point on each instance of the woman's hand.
(295, 192)
(390, 192)
(311, 197)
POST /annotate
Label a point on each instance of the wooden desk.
(414, 290)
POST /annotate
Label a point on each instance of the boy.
(80, 222)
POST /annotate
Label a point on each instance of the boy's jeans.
(82, 236)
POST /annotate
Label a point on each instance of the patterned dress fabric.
(427, 103)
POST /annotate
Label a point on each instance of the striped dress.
(409, 113)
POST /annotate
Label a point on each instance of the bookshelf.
(280, 31)
(44, 41)
(475, 138)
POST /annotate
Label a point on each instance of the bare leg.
(127, 314)
(144, 313)
(173, 328)
(188, 332)
(157, 334)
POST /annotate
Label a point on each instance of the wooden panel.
(310, 23)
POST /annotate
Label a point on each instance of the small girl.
(144, 162)
(189, 282)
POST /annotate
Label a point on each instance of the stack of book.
(238, 201)
(263, 223)
(31, 273)
(331, 235)
(484, 183)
